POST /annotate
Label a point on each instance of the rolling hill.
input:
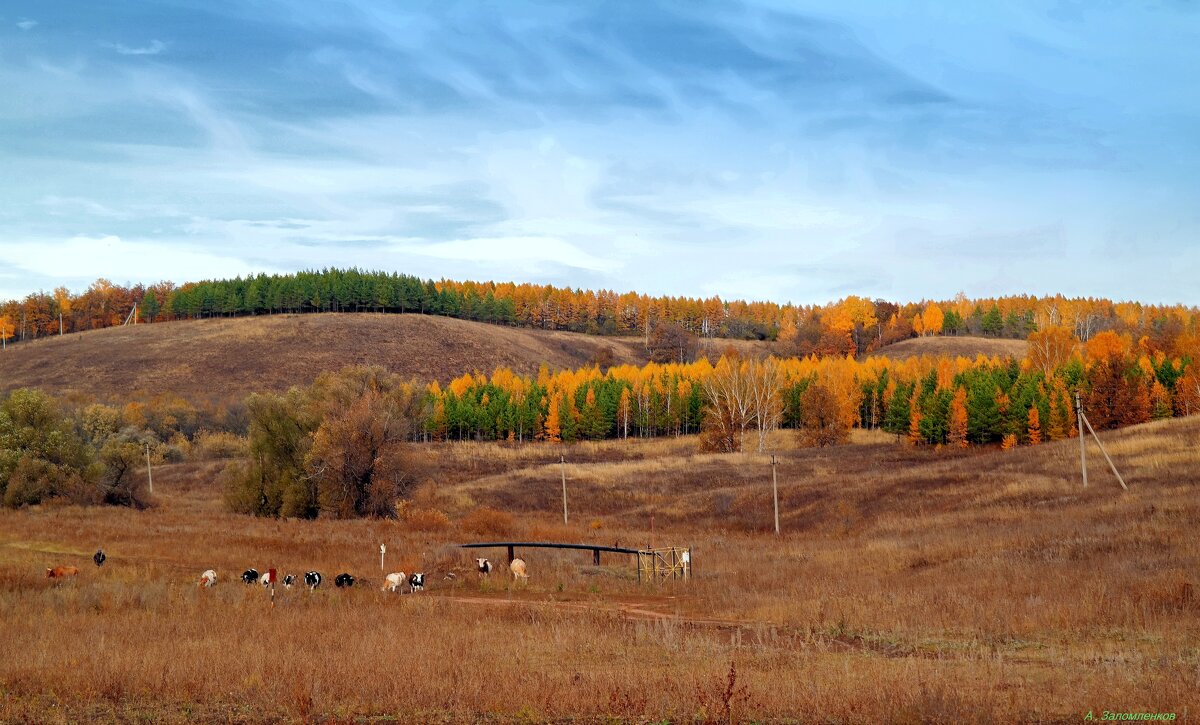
(964, 346)
(225, 359)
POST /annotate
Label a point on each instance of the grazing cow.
(61, 572)
(416, 582)
(265, 579)
(312, 580)
(289, 581)
(99, 557)
(517, 567)
(208, 578)
(343, 580)
(393, 582)
(250, 576)
(484, 566)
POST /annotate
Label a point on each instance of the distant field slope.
(953, 346)
(227, 358)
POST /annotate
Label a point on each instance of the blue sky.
(766, 150)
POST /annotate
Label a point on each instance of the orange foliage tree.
(932, 319)
(958, 419)
(1034, 425)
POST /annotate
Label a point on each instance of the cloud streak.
(154, 48)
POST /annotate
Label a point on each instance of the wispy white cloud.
(27, 24)
(75, 205)
(110, 256)
(523, 252)
(154, 48)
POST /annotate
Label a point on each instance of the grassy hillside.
(962, 346)
(910, 585)
(227, 358)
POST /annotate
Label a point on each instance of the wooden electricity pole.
(1083, 456)
(775, 492)
(1082, 445)
(149, 473)
(562, 463)
(1105, 454)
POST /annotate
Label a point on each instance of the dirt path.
(628, 610)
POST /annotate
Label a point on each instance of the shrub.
(120, 480)
(426, 519)
(488, 522)
(329, 449)
(40, 453)
(212, 445)
(31, 481)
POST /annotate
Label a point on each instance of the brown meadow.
(910, 585)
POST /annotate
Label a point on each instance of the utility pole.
(1082, 448)
(775, 492)
(149, 473)
(562, 462)
(1105, 454)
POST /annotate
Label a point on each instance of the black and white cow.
(99, 557)
(289, 581)
(343, 580)
(250, 576)
(416, 582)
(312, 580)
(484, 566)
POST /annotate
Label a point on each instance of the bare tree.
(765, 399)
(729, 392)
(669, 342)
(1049, 348)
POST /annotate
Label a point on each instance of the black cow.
(289, 581)
(250, 576)
(312, 580)
(343, 580)
(99, 557)
(416, 582)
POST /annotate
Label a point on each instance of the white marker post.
(382, 551)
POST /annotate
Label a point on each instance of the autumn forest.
(1128, 363)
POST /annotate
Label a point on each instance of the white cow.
(518, 569)
(394, 581)
(208, 578)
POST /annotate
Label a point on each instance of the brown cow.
(61, 572)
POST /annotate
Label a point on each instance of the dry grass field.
(910, 585)
(950, 346)
(221, 360)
